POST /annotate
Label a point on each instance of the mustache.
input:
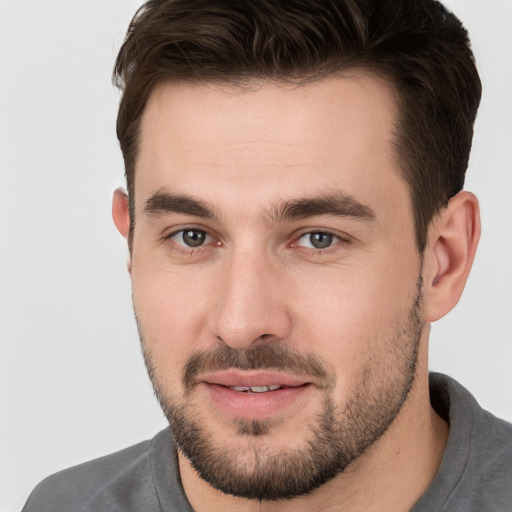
(272, 356)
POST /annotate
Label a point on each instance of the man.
(296, 220)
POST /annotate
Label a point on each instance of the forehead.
(276, 139)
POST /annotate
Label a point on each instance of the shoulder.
(485, 433)
(72, 489)
(490, 463)
(476, 470)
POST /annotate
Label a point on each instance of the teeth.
(254, 389)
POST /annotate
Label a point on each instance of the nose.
(251, 304)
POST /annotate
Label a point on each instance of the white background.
(72, 382)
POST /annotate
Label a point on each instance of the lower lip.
(254, 406)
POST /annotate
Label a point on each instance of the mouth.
(257, 381)
(255, 395)
(258, 389)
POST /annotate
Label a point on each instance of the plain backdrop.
(72, 382)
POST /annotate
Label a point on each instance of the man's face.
(276, 280)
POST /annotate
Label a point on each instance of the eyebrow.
(162, 202)
(336, 204)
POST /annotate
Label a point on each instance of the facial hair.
(338, 433)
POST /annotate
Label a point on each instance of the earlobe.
(451, 248)
(120, 212)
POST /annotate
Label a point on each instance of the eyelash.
(189, 250)
(336, 242)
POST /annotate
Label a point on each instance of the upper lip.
(252, 378)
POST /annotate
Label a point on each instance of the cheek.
(170, 309)
(348, 319)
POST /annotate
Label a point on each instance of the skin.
(257, 280)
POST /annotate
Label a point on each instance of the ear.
(120, 212)
(121, 216)
(449, 255)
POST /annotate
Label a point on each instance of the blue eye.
(191, 238)
(318, 240)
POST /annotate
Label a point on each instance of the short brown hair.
(419, 46)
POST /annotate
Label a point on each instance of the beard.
(337, 435)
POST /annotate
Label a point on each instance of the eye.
(318, 240)
(191, 238)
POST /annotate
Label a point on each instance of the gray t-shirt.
(475, 474)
